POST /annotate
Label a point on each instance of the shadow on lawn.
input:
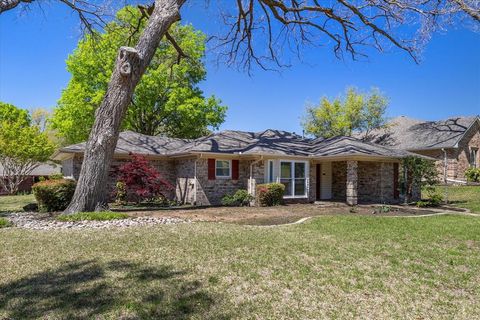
(86, 289)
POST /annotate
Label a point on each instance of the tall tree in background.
(256, 32)
(356, 112)
(167, 99)
(22, 146)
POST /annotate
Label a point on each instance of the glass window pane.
(223, 163)
(299, 187)
(286, 170)
(299, 170)
(288, 186)
(222, 168)
(270, 171)
(222, 172)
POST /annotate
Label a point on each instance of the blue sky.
(34, 46)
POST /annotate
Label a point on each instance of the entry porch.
(351, 180)
(355, 181)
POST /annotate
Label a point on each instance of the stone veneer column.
(352, 182)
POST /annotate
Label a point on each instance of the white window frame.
(229, 169)
(473, 157)
(292, 169)
(271, 169)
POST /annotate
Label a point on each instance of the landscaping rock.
(36, 221)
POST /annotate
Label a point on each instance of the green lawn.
(463, 196)
(15, 203)
(330, 267)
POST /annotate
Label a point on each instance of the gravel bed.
(37, 221)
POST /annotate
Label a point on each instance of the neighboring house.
(454, 142)
(205, 169)
(43, 170)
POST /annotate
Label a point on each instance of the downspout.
(445, 164)
(195, 182)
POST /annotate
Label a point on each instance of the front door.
(324, 181)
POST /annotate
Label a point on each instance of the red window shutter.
(235, 170)
(211, 169)
(396, 192)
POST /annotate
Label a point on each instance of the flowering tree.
(22, 147)
(139, 180)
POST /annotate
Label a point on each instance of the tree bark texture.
(91, 193)
(10, 4)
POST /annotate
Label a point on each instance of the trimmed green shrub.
(53, 195)
(473, 174)
(99, 216)
(270, 194)
(4, 223)
(240, 198)
(55, 176)
(434, 199)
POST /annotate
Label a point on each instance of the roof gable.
(268, 142)
(410, 134)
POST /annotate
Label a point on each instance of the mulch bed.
(277, 215)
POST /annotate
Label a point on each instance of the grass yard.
(15, 203)
(330, 267)
(463, 196)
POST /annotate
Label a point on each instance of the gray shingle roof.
(129, 141)
(411, 134)
(43, 169)
(268, 142)
(349, 146)
(273, 142)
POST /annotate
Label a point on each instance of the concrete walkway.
(438, 212)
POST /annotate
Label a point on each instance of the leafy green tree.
(166, 101)
(356, 112)
(418, 174)
(10, 113)
(22, 146)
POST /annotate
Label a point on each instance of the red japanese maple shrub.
(140, 180)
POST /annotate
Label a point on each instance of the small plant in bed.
(4, 223)
(434, 199)
(241, 198)
(98, 216)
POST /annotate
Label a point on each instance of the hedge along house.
(205, 169)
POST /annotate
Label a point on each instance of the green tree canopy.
(10, 113)
(166, 101)
(355, 112)
(22, 146)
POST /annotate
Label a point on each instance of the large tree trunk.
(91, 191)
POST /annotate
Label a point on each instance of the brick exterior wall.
(312, 185)
(458, 160)
(374, 181)
(185, 180)
(165, 167)
(339, 180)
(452, 162)
(211, 192)
(471, 139)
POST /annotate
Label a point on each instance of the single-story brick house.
(42, 170)
(453, 142)
(205, 169)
